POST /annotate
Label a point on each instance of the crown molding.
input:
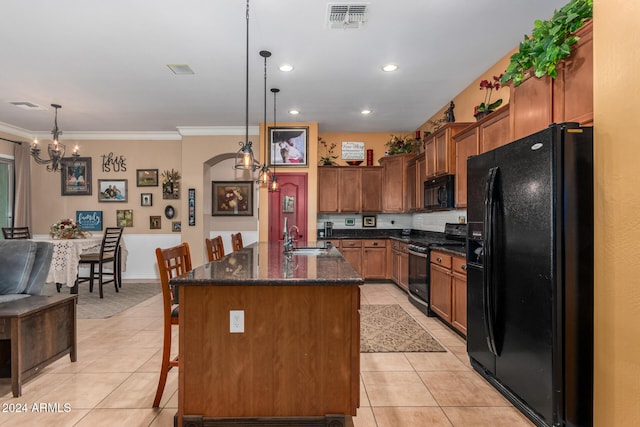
(216, 130)
(16, 131)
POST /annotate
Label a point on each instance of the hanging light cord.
(246, 93)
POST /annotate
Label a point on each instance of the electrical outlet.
(236, 321)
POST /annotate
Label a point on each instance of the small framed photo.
(147, 177)
(112, 190)
(289, 146)
(146, 199)
(232, 198)
(155, 222)
(176, 226)
(76, 176)
(124, 217)
(369, 220)
(350, 222)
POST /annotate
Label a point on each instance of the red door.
(291, 203)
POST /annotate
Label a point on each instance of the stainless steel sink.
(309, 251)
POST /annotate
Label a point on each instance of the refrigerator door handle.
(488, 273)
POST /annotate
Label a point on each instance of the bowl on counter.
(354, 162)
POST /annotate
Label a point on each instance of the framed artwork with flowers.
(288, 146)
(232, 198)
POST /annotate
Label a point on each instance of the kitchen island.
(293, 358)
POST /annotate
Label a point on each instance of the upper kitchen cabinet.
(536, 103)
(412, 178)
(440, 150)
(394, 182)
(349, 189)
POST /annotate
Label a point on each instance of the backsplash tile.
(431, 221)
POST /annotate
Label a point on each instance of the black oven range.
(419, 263)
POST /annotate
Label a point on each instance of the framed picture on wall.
(89, 220)
(124, 217)
(112, 190)
(289, 146)
(155, 222)
(232, 198)
(76, 176)
(147, 177)
(146, 199)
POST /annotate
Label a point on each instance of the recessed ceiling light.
(389, 67)
(365, 112)
(180, 69)
(294, 112)
(286, 67)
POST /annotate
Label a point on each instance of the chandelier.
(55, 149)
(244, 156)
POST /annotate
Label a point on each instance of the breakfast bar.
(269, 338)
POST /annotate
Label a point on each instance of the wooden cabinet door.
(494, 132)
(403, 273)
(430, 156)
(459, 297)
(352, 251)
(328, 189)
(421, 177)
(374, 262)
(394, 182)
(412, 171)
(442, 153)
(440, 297)
(530, 106)
(371, 189)
(395, 267)
(349, 190)
(466, 145)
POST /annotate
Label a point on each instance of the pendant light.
(244, 156)
(55, 149)
(265, 173)
(273, 185)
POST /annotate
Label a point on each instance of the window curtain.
(22, 182)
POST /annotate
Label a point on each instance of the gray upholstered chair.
(24, 265)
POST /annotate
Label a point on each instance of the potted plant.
(329, 157)
(400, 145)
(549, 43)
(487, 106)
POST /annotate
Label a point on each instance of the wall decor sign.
(192, 207)
(146, 199)
(112, 190)
(232, 198)
(113, 163)
(369, 220)
(155, 222)
(147, 177)
(124, 217)
(76, 177)
(89, 220)
(352, 150)
(288, 146)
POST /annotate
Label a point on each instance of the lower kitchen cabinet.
(374, 259)
(351, 250)
(448, 296)
(400, 264)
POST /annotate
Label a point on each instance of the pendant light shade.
(273, 185)
(265, 173)
(244, 156)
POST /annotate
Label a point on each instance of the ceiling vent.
(25, 105)
(346, 16)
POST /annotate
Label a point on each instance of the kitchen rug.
(390, 329)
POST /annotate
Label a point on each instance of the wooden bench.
(34, 332)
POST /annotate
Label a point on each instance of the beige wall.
(49, 206)
(617, 236)
(374, 141)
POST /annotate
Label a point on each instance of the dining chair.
(172, 262)
(236, 241)
(16, 233)
(109, 252)
(215, 248)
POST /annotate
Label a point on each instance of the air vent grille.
(25, 105)
(347, 15)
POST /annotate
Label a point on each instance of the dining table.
(66, 257)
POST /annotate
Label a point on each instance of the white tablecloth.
(66, 257)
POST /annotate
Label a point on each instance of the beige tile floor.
(114, 380)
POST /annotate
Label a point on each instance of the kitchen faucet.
(289, 237)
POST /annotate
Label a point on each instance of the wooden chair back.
(16, 233)
(236, 242)
(215, 248)
(172, 262)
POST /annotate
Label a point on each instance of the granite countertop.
(415, 237)
(267, 264)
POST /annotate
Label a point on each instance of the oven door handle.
(420, 254)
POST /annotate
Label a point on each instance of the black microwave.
(439, 193)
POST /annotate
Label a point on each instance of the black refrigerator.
(530, 273)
